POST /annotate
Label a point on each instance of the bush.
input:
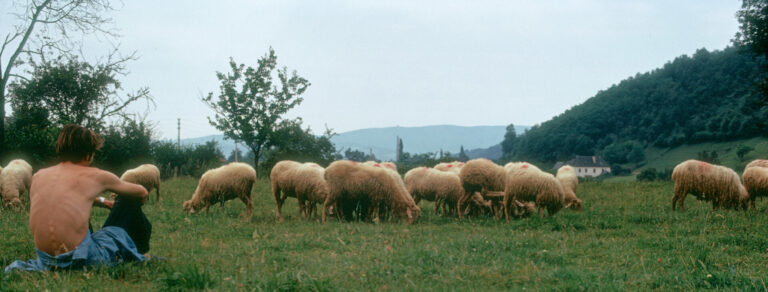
(647, 175)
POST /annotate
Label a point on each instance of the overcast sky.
(410, 63)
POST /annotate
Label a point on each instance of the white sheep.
(282, 180)
(527, 183)
(304, 181)
(568, 179)
(708, 182)
(146, 175)
(454, 166)
(755, 182)
(221, 184)
(15, 180)
(480, 175)
(352, 184)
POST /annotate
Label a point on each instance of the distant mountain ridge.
(382, 141)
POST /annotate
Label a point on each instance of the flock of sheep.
(371, 191)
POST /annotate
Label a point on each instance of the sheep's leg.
(752, 201)
(328, 203)
(505, 206)
(679, 195)
(248, 205)
(157, 192)
(461, 201)
(376, 213)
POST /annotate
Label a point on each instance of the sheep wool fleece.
(107, 247)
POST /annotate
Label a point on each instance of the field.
(626, 238)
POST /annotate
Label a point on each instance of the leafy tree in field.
(649, 174)
(292, 142)
(62, 91)
(508, 144)
(250, 106)
(73, 92)
(753, 26)
(45, 27)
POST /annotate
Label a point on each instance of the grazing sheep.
(480, 175)
(15, 179)
(282, 179)
(221, 184)
(567, 177)
(527, 183)
(310, 186)
(708, 182)
(432, 185)
(755, 182)
(758, 162)
(454, 166)
(350, 184)
(146, 175)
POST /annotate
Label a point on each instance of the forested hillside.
(710, 96)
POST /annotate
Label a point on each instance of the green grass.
(626, 238)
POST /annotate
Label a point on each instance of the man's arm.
(114, 184)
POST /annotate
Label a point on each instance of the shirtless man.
(61, 198)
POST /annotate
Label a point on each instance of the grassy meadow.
(625, 238)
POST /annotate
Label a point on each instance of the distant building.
(586, 166)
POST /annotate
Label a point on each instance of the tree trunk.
(256, 154)
(2, 119)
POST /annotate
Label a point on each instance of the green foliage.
(249, 106)
(72, 92)
(126, 146)
(650, 174)
(510, 137)
(710, 96)
(187, 160)
(743, 150)
(624, 152)
(69, 91)
(291, 142)
(357, 155)
(753, 26)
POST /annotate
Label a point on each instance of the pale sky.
(409, 63)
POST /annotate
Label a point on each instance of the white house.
(587, 166)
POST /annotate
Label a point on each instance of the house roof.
(587, 161)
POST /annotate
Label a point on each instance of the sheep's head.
(412, 213)
(14, 204)
(188, 208)
(574, 204)
(522, 210)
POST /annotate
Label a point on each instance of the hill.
(707, 97)
(415, 140)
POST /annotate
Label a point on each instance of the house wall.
(590, 171)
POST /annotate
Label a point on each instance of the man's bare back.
(61, 198)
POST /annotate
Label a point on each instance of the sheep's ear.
(408, 212)
(569, 204)
(519, 204)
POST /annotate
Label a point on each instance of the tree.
(292, 142)
(355, 155)
(70, 91)
(510, 137)
(463, 155)
(46, 27)
(753, 26)
(249, 106)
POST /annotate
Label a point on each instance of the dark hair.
(76, 142)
